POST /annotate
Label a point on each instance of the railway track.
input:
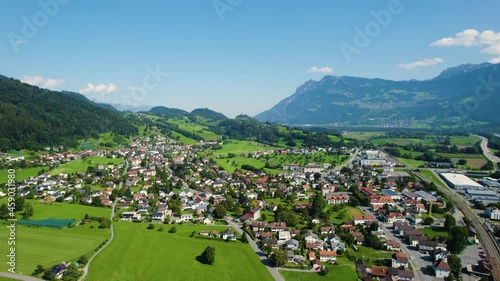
(489, 242)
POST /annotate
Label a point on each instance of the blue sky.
(235, 56)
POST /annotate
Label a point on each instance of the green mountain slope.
(33, 118)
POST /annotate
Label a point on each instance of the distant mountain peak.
(463, 68)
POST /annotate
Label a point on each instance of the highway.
(487, 152)
(487, 238)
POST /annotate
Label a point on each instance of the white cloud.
(488, 40)
(495, 60)
(49, 83)
(421, 63)
(102, 89)
(316, 69)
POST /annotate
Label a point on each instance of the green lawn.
(345, 214)
(464, 140)
(50, 246)
(410, 162)
(141, 254)
(21, 174)
(362, 135)
(430, 175)
(82, 165)
(369, 255)
(433, 232)
(237, 147)
(460, 155)
(337, 273)
(227, 164)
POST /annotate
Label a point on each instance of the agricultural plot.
(197, 129)
(238, 147)
(50, 246)
(362, 135)
(21, 174)
(141, 254)
(82, 165)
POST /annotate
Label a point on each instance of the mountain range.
(451, 98)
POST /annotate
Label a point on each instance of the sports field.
(141, 254)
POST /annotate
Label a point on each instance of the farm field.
(183, 139)
(302, 160)
(49, 246)
(227, 164)
(410, 162)
(57, 210)
(337, 272)
(21, 174)
(194, 128)
(82, 165)
(173, 257)
(474, 161)
(238, 147)
(362, 135)
(402, 141)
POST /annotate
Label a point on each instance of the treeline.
(34, 118)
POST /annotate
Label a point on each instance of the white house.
(493, 213)
(442, 269)
(328, 256)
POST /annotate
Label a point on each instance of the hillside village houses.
(164, 182)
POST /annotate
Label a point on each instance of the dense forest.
(33, 118)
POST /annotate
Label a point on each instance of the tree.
(39, 269)
(462, 162)
(151, 226)
(428, 221)
(278, 258)
(28, 211)
(263, 217)
(96, 201)
(4, 211)
(324, 271)
(172, 230)
(105, 223)
(48, 276)
(19, 200)
(220, 211)
(244, 238)
(353, 202)
(457, 239)
(449, 222)
(208, 256)
(455, 263)
(83, 260)
(161, 229)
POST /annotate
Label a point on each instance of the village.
(312, 215)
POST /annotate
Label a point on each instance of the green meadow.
(21, 174)
(337, 272)
(140, 254)
(82, 165)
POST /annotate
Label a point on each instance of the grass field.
(434, 232)
(49, 246)
(345, 214)
(369, 255)
(56, 210)
(430, 175)
(183, 139)
(197, 129)
(141, 254)
(410, 162)
(402, 141)
(82, 165)
(464, 140)
(362, 135)
(304, 159)
(337, 272)
(237, 147)
(21, 174)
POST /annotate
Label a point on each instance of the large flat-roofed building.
(460, 182)
(483, 195)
